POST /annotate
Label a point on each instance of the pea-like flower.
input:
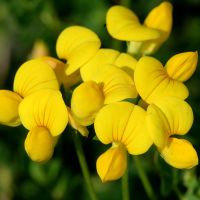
(123, 24)
(166, 118)
(123, 125)
(32, 76)
(109, 85)
(154, 81)
(76, 45)
(45, 115)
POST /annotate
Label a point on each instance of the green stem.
(125, 186)
(144, 179)
(84, 167)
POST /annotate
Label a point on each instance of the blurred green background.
(22, 22)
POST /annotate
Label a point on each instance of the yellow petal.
(168, 116)
(77, 45)
(112, 164)
(152, 81)
(124, 123)
(102, 57)
(117, 84)
(179, 122)
(34, 75)
(159, 18)
(123, 24)
(86, 101)
(75, 125)
(180, 154)
(127, 63)
(9, 108)
(39, 144)
(44, 108)
(157, 125)
(182, 66)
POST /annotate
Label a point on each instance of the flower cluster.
(105, 84)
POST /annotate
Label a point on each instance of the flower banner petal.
(77, 45)
(158, 125)
(44, 108)
(124, 123)
(168, 116)
(34, 75)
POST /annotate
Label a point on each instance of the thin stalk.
(125, 186)
(84, 167)
(144, 179)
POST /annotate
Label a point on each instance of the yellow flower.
(123, 125)
(108, 56)
(123, 24)
(109, 85)
(77, 45)
(45, 115)
(152, 81)
(167, 117)
(32, 76)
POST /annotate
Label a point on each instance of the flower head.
(167, 117)
(123, 24)
(120, 124)
(45, 115)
